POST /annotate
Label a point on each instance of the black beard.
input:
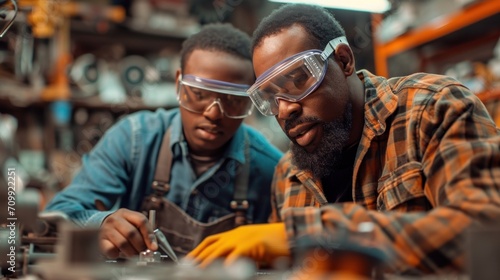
(326, 157)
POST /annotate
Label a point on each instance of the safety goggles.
(197, 95)
(292, 79)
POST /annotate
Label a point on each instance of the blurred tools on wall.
(119, 78)
(163, 17)
(70, 68)
(49, 62)
(42, 40)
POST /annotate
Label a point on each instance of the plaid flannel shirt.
(426, 169)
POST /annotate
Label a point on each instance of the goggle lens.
(292, 79)
(293, 82)
(198, 100)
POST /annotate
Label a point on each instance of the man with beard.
(417, 156)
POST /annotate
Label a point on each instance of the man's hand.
(262, 243)
(125, 232)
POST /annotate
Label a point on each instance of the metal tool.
(4, 14)
(161, 240)
(165, 246)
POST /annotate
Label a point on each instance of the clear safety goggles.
(197, 95)
(292, 79)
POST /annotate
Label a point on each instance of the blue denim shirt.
(120, 169)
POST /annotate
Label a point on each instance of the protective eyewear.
(292, 79)
(197, 95)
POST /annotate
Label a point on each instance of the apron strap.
(239, 204)
(161, 181)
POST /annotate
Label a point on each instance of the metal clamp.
(239, 205)
(160, 187)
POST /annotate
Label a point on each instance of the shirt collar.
(237, 145)
(380, 101)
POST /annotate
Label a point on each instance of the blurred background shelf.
(475, 26)
(458, 38)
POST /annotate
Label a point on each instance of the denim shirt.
(119, 172)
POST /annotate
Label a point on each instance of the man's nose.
(286, 109)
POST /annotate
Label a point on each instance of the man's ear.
(345, 58)
(177, 76)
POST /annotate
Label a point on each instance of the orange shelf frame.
(488, 96)
(491, 99)
(432, 31)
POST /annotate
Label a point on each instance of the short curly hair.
(221, 37)
(317, 21)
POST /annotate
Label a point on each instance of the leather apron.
(182, 231)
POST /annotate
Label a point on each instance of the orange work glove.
(262, 243)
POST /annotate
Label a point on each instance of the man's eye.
(282, 81)
(235, 100)
(199, 94)
(271, 88)
(299, 77)
(300, 80)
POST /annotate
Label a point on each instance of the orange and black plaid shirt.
(426, 169)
